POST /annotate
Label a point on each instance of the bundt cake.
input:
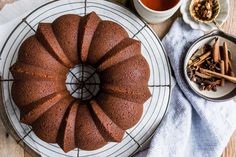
(43, 63)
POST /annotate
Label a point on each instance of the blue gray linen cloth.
(192, 126)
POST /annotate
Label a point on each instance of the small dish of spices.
(210, 66)
(204, 11)
(205, 15)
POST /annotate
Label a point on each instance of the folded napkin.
(18, 8)
(192, 126)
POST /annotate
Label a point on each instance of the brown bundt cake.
(40, 72)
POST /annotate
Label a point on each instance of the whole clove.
(190, 73)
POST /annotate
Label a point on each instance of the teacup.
(155, 16)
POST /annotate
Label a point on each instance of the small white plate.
(226, 92)
(221, 18)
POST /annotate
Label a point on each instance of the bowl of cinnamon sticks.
(210, 66)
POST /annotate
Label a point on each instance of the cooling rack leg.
(18, 142)
(139, 30)
(80, 83)
(7, 80)
(139, 145)
(77, 152)
(24, 20)
(159, 85)
(85, 7)
(72, 83)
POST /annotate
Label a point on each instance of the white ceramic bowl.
(153, 16)
(226, 92)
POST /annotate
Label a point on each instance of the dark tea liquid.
(159, 5)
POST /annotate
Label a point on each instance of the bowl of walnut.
(210, 66)
(205, 11)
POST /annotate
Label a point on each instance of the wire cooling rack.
(159, 83)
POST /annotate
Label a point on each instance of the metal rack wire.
(84, 82)
(81, 83)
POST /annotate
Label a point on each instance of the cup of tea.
(156, 11)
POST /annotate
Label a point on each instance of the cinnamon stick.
(231, 72)
(222, 71)
(216, 50)
(218, 75)
(200, 59)
(226, 57)
(230, 55)
(202, 75)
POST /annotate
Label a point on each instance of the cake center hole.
(83, 82)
